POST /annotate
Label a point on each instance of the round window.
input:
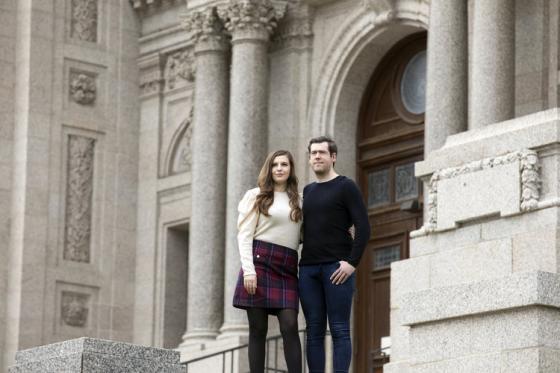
(413, 84)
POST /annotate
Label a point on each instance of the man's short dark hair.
(321, 139)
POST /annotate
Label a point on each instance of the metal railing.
(272, 353)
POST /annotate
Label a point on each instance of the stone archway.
(348, 64)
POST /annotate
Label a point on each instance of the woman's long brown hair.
(266, 184)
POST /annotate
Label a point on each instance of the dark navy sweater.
(329, 209)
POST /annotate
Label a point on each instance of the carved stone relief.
(182, 160)
(84, 20)
(252, 15)
(83, 88)
(74, 309)
(180, 65)
(529, 176)
(79, 192)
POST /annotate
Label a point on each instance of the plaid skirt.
(277, 283)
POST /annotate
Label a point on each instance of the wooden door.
(390, 141)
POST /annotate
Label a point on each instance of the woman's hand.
(250, 284)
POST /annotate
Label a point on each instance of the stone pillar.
(446, 96)
(206, 236)
(250, 23)
(493, 63)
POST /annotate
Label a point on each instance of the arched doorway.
(390, 140)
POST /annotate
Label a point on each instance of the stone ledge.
(531, 131)
(515, 291)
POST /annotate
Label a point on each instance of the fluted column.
(209, 143)
(251, 23)
(493, 62)
(447, 93)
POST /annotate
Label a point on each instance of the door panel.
(390, 141)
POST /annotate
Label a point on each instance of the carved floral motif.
(241, 15)
(84, 20)
(180, 65)
(74, 309)
(204, 25)
(530, 180)
(79, 192)
(82, 88)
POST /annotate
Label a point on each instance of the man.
(331, 206)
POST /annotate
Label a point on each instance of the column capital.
(252, 19)
(206, 29)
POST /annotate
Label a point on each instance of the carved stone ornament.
(180, 65)
(182, 161)
(251, 15)
(204, 25)
(79, 193)
(530, 181)
(82, 88)
(74, 309)
(296, 33)
(151, 81)
(84, 20)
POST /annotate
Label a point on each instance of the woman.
(269, 225)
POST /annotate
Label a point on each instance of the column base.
(233, 331)
(198, 337)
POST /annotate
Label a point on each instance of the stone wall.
(73, 217)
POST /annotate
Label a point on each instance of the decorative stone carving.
(82, 88)
(180, 65)
(182, 160)
(79, 192)
(204, 25)
(84, 20)
(151, 82)
(260, 16)
(530, 181)
(74, 309)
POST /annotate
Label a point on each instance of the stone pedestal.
(206, 237)
(481, 290)
(88, 355)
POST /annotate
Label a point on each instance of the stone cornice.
(146, 5)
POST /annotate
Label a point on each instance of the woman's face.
(280, 169)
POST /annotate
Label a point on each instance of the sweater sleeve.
(246, 225)
(359, 216)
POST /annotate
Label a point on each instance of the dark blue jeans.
(321, 300)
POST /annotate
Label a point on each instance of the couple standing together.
(272, 221)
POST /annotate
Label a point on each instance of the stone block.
(485, 260)
(515, 225)
(491, 191)
(536, 250)
(408, 276)
(484, 334)
(397, 367)
(95, 355)
(447, 240)
(518, 290)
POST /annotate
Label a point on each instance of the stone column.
(446, 95)
(493, 63)
(206, 235)
(250, 22)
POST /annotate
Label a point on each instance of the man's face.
(320, 160)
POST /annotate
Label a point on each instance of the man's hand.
(342, 273)
(250, 284)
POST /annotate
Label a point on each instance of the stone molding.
(296, 33)
(151, 75)
(79, 193)
(145, 5)
(252, 19)
(181, 158)
(83, 88)
(180, 65)
(84, 20)
(530, 182)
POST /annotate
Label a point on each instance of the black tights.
(258, 327)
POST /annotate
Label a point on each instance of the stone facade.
(130, 130)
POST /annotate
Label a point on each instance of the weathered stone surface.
(86, 355)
